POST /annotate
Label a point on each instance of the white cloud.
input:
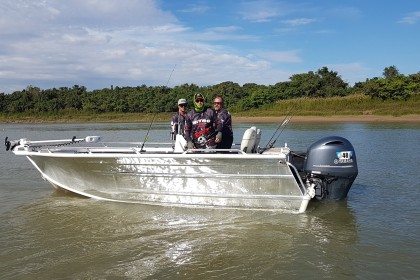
(351, 72)
(75, 41)
(195, 9)
(286, 56)
(411, 18)
(43, 15)
(98, 43)
(230, 28)
(343, 13)
(298, 21)
(262, 11)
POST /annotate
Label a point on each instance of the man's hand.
(190, 145)
(218, 137)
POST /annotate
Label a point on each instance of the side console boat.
(248, 177)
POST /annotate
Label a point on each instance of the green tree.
(2, 101)
(231, 92)
(331, 83)
(390, 72)
(323, 83)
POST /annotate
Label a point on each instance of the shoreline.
(294, 119)
(332, 119)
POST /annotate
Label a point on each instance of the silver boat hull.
(215, 180)
(248, 177)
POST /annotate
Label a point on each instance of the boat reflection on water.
(61, 236)
(327, 236)
(331, 222)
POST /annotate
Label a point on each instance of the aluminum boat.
(248, 176)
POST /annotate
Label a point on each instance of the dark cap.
(198, 95)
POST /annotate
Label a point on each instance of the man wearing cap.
(202, 129)
(178, 119)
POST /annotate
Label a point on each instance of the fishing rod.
(282, 126)
(154, 115)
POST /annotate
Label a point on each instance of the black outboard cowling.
(331, 165)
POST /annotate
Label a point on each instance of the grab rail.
(208, 151)
(295, 173)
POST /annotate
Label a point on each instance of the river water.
(373, 234)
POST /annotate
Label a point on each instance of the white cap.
(182, 101)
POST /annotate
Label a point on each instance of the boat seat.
(249, 141)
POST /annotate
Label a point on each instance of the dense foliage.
(143, 99)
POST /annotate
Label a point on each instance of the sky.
(104, 43)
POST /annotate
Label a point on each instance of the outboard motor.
(331, 165)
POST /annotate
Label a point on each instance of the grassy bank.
(83, 117)
(354, 105)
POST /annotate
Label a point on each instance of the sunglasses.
(199, 100)
(182, 105)
(217, 103)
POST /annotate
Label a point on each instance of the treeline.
(143, 99)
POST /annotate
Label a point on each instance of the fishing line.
(154, 115)
(167, 82)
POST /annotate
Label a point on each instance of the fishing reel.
(10, 145)
(203, 141)
(7, 143)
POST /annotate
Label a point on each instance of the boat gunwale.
(129, 153)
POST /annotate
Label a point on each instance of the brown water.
(374, 234)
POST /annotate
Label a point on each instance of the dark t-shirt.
(225, 119)
(178, 124)
(200, 124)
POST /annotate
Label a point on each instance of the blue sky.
(99, 43)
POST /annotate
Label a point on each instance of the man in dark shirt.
(202, 129)
(178, 119)
(225, 119)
